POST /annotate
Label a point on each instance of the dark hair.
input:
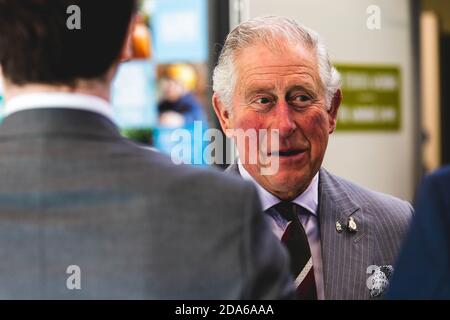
(36, 46)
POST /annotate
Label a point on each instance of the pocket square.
(378, 281)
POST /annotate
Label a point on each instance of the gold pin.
(352, 227)
(338, 227)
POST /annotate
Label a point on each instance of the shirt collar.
(309, 199)
(60, 100)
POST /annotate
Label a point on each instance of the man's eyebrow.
(305, 87)
(252, 91)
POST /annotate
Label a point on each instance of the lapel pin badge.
(351, 225)
(338, 227)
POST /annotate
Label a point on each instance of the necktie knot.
(288, 210)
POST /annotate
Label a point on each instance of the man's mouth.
(286, 153)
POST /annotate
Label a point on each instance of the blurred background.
(394, 57)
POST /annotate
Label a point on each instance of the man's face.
(282, 90)
(172, 90)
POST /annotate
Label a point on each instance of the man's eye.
(263, 100)
(301, 100)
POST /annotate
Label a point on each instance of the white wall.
(382, 161)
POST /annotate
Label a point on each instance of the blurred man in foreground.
(275, 75)
(423, 267)
(85, 213)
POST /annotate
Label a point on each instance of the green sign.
(371, 98)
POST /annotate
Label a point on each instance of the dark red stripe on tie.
(296, 242)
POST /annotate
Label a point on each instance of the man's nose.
(284, 119)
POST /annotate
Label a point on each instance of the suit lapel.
(345, 254)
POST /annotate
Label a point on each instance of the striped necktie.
(296, 241)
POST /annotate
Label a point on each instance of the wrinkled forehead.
(261, 63)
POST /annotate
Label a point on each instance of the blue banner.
(180, 30)
(133, 95)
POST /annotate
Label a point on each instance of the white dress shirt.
(59, 100)
(309, 200)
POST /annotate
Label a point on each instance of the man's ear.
(127, 48)
(333, 112)
(221, 112)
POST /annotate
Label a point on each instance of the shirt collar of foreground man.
(274, 74)
(59, 100)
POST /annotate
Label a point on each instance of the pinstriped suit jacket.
(382, 222)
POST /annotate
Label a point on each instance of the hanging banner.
(134, 95)
(180, 30)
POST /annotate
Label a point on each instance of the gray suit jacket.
(382, 222)
(74, 192)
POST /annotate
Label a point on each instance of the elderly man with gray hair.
(275, 75)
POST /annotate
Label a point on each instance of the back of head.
(37, 44)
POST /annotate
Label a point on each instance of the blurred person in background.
(179, 106)
(275, 74)
(87, 214)
(423, 267)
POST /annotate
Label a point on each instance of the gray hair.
(267, 30)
